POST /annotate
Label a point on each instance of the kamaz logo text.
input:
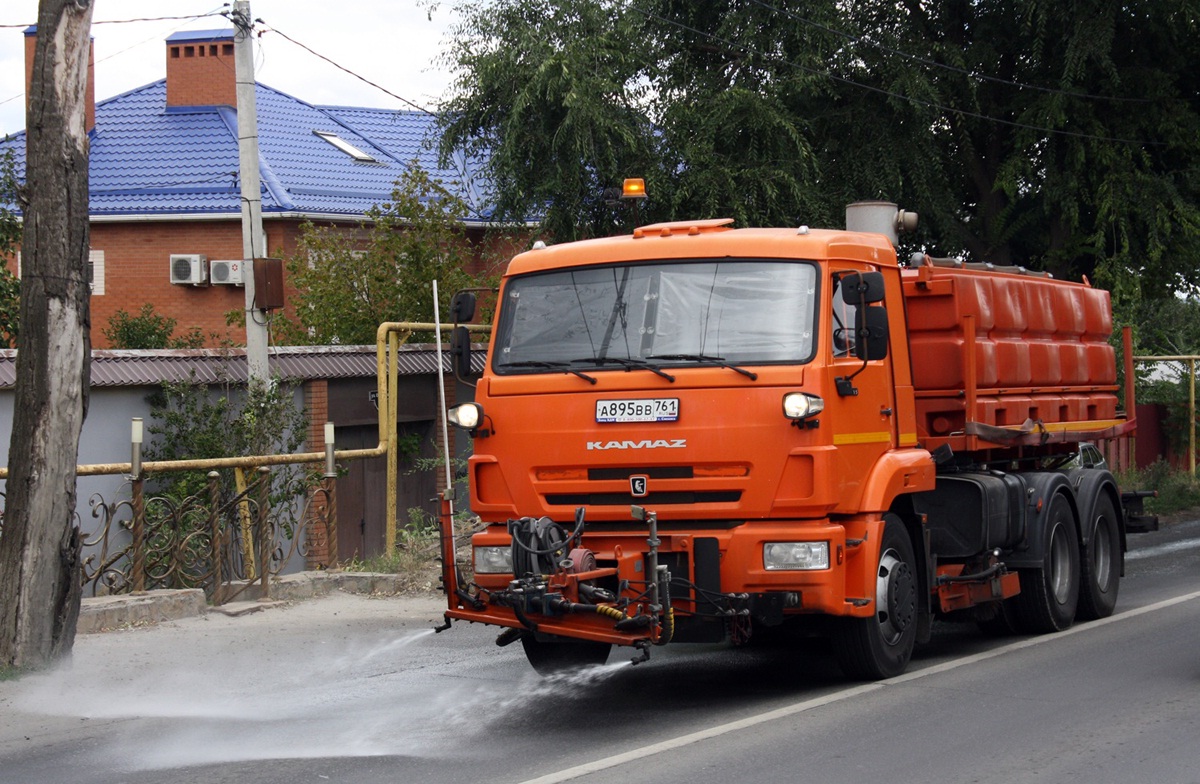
(676, 443)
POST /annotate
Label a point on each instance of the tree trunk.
(40, 546)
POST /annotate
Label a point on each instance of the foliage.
(1177, 490)
(190, 423)
(348, 285)
(553, 96)
(1169, 326)
(148, 330)
(10, 243)
(1057, 136)
(415, 557)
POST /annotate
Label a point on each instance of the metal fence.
(226, 544)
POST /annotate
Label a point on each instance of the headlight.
(493, 560)
(802, 405)
(466, 415)
(795, 556)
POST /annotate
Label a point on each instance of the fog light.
(795, 556)
(493, 560)
(467, 415)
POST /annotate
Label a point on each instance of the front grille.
(654, 472)
(623, 499)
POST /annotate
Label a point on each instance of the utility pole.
(254, 243)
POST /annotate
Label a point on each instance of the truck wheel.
(553, 656)
(1100, 564)
(880, 646)
(1049, 594)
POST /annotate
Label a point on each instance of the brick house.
(164, 184)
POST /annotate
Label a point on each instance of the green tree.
(349, 284)
(1057, 136)
(148, 330)
(190, 421)
(554, 96)
(10, 243)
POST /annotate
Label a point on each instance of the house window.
(96, 271)
(345, 146)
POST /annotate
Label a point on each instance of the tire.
(559, 655)
(1050, 594)
(881, 646)
(1100, 564)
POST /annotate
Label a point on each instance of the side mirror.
(872, 327)
(460, 351)
(462, 307)
(862, 287)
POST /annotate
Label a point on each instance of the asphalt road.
(348, 689)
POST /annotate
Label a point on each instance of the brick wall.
(137, 271)
(316, 404)
(201, 73)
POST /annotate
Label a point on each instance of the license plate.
(647, 409)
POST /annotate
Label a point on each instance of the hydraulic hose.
(991, 571)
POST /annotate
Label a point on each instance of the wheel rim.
(1060, 565)
(1102, 553)
(895, 597)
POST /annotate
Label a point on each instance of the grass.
(1177, 490)
(9, 673)
(417, 556)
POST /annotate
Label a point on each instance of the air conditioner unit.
(228, 273)
(189, 268)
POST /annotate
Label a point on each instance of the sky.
(393, 43)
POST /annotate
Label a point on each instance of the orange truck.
(697, 433)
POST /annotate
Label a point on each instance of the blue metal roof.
(200, 35)
(150, 160)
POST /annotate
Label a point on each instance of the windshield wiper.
(628, 364)
(719, 361)
(563, 366)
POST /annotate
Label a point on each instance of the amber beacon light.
(633, 188)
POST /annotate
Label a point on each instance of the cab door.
(859, 400)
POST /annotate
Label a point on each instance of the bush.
(188, 422)
(1177, 490)
(148, 330)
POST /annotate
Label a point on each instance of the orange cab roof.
(709, 239)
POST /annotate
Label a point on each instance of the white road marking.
(567, 774)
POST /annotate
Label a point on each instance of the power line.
(857, 39)
(215, 12)
(871, 88)
(343, 68)
(126, 21)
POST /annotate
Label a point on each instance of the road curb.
(104, 613)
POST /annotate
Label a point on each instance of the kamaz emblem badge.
(639, 486)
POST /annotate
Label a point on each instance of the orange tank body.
(1003, 349)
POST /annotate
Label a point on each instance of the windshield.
(739, 310)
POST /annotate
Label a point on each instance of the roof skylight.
(346, 147)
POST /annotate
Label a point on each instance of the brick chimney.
(90, 98)
(200, 70)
